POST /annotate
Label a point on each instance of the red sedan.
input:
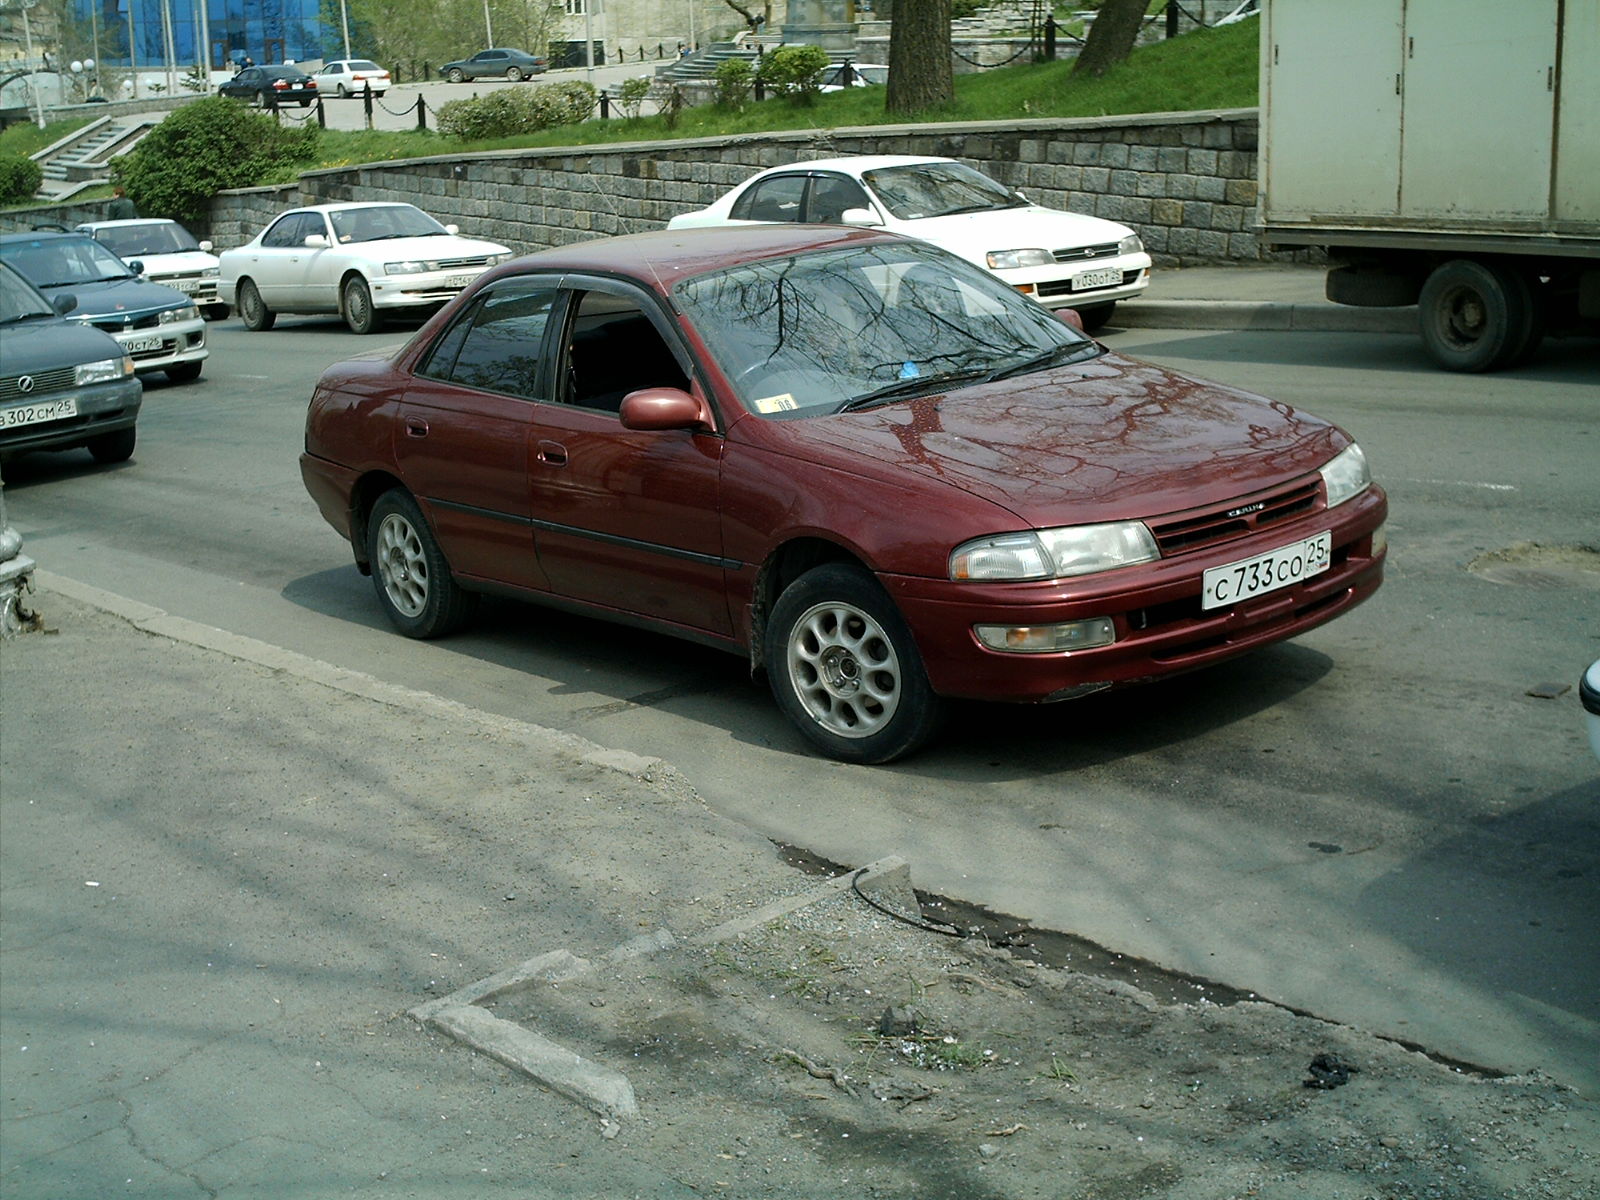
(868, 466)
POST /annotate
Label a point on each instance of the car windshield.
(838, 329)
(18, 301)
(153, 237)
(379, 222)
(60, 261)
(938, 190)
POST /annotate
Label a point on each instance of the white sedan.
(1061, 259)
(350, 77)
(164, 252)
(362, 261)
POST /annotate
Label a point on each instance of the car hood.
(32, 347)
(175, 264)
(432, 245)
(1111, 439)
(972, 235)
(110, 297)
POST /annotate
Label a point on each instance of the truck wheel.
(1476, 316)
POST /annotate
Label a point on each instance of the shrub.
(734, 77)
(204, 148)
(794, 72)
(631, 96)
(511, 111)
(20, 177)
(569, 102)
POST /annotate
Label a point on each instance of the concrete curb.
(1263, 315)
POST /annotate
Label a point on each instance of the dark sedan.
(866, 465)
(62, 385)
(271, 86)
(514, 65)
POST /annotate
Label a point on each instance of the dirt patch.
(1530, 564)
(838, 1052)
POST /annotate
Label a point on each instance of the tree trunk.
(1111, 36)
(920, 74)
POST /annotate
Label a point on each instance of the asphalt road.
(1377, 823)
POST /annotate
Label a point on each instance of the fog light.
(1048, 639)
(1027, 289)
(1380, 539)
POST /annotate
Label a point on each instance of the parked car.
(351, 77)
(515, 65)
(275, 84)
(62, 384)
(164, 252)
(158, 327)
(1061, 259)
(855, 459)
(362, 261)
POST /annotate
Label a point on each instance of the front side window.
(613, 348)
(830, 196)
(498, 343)
(291, 230)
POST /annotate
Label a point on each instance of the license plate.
(135, 345)
(1097, 279)
(184, 285)
(1266, 572)
(37, 414)
(458, 281)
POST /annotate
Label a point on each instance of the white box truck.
(1445, 153)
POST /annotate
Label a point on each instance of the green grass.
(26, 138)
(1209, 68)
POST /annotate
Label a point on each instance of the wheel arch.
(362, 499)
(787, 562)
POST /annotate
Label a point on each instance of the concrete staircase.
(82, 159)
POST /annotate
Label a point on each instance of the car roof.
(88, 226)
(346, 205)
(46, 235)
(857, 163)
(671, 255)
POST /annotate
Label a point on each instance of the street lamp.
(344, 21)
(488, 30)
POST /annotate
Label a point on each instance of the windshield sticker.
(782, 402)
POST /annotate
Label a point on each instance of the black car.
(271, 85)
(62, 384)
(513, 64)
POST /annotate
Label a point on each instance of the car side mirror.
(63, 303)
(662, 408)
(859, 216)
(136, 265)
(452, 230)
(317, 241)
(206, 246)
(1069, 316)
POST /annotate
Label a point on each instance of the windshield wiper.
(30, 316)
(915, 385)
(1056, 356)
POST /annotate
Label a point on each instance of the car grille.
(456, 264)
(1073, 254)
(1064, 287)
(1199, 528)
(44, 382)
(116, 324)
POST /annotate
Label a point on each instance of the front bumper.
(1077, 285)
(102, 408)
(1161, 629)
(158, 347)
(424, 289)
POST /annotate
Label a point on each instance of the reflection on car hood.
(1110, 439)
(972, 235)
(31, 347)
(172, 264)
(110, 297)
(426, 245)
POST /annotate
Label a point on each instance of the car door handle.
(553, 454)
(416, 427)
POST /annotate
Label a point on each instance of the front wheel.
(456, 75)
(359, 312)
(1096, 316)
(253, 310)
(184, 372)
(409, 570)
(845, 670)
(113, 447)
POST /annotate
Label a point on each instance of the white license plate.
(37, 414)
(184, 285)
(1266, 572)
(1097, 279)
(135, 345)
(459, 281)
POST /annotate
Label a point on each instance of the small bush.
(508, 112)
(794, 72)
(631, 96)
(206, 147)
(734, 79)
(20, 177)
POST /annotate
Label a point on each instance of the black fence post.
(322, 116)
(605, 105)
(366, 100)
(1050, 38)
(758, 91)
(1172, 18)
(422, 114)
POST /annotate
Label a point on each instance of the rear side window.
(498, 344)
(775, 199)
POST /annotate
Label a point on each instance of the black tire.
(844, 667)
(113, 447)
(1476, 316)
(184, 372)
(305, 104)
(409, 572)
(456, 75)
(514, 75)
(260, 101)
(1096, 316)
(253, 311)
(1372, 287)
(344, 92)
(355, 299)
(215, 312)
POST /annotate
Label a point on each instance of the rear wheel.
(409, 570)
(844, 668)
(113, 447)
(1477, 316)
(253, 311)
(514, 74)
(359, 312)
(344, 92)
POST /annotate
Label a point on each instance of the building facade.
(158, 33)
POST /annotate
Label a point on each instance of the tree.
(920, 74)
(1111, 36)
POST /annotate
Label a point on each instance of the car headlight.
(173, 315)
(210, 273)
(411, 267)
(107, 370)
(1132, 244)
(1054, 553)
(496, 259)
(1346, 475)
(1004, 260)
